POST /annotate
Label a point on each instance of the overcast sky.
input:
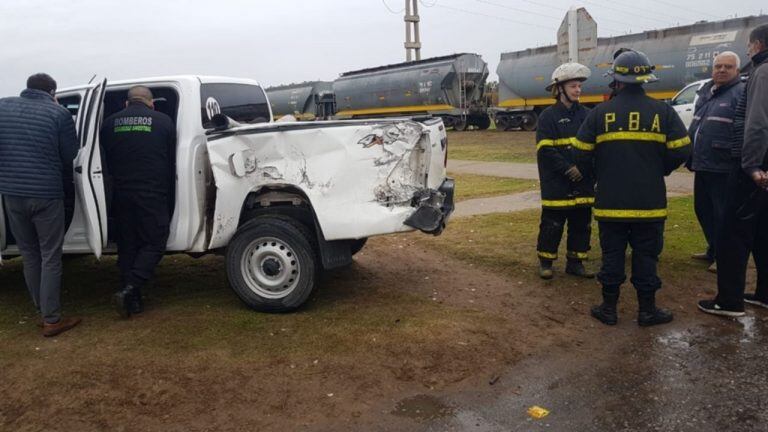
(277, 42)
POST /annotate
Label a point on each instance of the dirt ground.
(450, 329)
(413, 315)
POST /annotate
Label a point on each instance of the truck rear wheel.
(272, 263)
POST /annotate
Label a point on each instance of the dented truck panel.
(362, 178)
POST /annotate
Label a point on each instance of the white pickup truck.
(283, 200)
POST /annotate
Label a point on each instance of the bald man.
(712, 133)
(139, 145)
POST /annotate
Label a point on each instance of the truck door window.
(71, 103)
(687, 96)
(166, 101)
(244, 103)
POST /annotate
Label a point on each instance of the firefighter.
(567, 192)
(633, 141)
(139, 145)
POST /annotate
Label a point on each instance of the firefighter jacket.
(633, 141)
(140, 148)
(555, 135)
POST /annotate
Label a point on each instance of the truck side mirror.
(220, 122)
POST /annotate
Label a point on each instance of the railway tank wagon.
(681, 55)
(450, 87)
(306, 101)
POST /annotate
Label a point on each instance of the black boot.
(649, 314)
(545, 269)
(606, 313)
(136, 302)
(123, 299)
(576, 267)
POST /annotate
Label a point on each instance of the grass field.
(493, 146)
(478, 186)
(507, 242)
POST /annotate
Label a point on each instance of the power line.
(623, 11)
(384, 2)
(516, 9)
(492, 16)
(687, 9)
(423, 3)
(632, 6)
(540, 14)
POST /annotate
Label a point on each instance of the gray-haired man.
(712, 133)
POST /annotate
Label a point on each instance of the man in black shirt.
(139, 145)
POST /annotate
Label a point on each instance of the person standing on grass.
(745, 224)
(140, 149)
(567, 191)
(37, 146)
(634, 141)
(712, 133)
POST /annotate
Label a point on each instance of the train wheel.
(460, 124)
(483, 122)
(530, 121)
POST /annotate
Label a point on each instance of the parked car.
(282, 201)
(684, 101)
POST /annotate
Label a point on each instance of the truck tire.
(357, 245)
(272, 263)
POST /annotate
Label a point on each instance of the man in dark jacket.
(711, 133)
(567, 191)
(37, 147)
(139, 144)
(633, 141)
(745, 225)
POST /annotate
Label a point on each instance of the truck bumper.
(433, 208)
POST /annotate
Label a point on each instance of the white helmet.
(569, 72)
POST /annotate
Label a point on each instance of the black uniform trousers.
(744, 230)
(551, 229)
(709, 192)
(646, 240)
(143, 220)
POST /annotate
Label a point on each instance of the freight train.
(681, 54)
(451, 87)
(306, 101)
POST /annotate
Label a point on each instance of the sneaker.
(63, 325)
(711, 307)
(754, 301)
(702, 257)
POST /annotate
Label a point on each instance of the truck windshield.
(244, 103)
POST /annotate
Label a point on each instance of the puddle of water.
(750, 331)
(422, 407)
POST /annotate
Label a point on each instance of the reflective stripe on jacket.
(633, 141)
(555, 136)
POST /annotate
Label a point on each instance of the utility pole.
(412, 46)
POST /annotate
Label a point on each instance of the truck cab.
(283, 201)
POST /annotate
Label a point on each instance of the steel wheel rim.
(270, 267)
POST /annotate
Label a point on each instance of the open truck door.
(3, 240)
(89, 177)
